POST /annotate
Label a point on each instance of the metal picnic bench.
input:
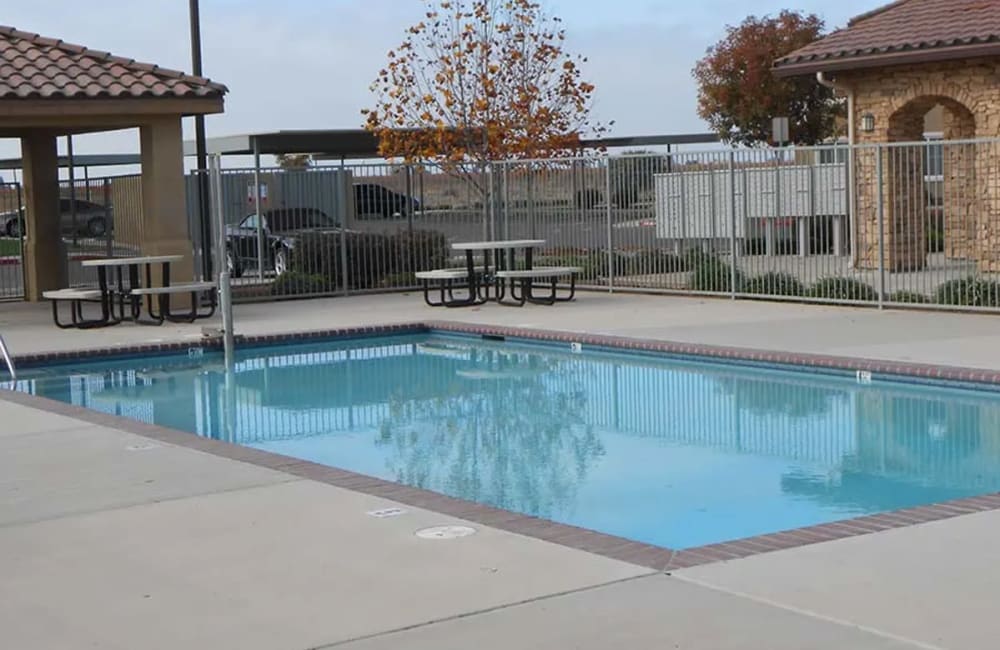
(497, 276)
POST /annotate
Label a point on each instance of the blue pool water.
(669, 452)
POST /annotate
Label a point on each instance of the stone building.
(901, 66)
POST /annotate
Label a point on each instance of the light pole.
(194, 16)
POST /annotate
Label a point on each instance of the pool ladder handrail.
(5, 352)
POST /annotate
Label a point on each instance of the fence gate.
(11, 241)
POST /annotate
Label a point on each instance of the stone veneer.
(899, 97)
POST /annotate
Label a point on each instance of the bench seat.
(523, 284)
(540, 272)
(72, 294)
(76, 298)
(184, 287)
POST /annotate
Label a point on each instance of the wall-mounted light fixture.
(867, 123)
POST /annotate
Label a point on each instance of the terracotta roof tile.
(902, 28)
(33, 67)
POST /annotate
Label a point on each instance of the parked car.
(374, 200)
(92, 219)
(281, 227)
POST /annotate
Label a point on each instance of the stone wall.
(899, 97)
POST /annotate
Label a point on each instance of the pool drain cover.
(142, 446)
(445, 532)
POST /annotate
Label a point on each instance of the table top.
(495, 245)
(129, 261)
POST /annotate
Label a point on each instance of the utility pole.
(194, 16)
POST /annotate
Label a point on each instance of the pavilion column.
(44, 250)
(164, 228)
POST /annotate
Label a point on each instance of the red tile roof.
(33, 67)
(904, 31)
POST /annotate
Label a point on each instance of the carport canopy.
(335, 144)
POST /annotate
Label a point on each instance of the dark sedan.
(280, 227)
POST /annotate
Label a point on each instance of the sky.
(308, 64)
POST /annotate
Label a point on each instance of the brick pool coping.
(610, 546)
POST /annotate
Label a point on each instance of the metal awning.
(359, 143)
(347, 143)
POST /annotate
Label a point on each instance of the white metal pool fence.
(892, 224)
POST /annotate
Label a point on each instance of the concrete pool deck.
(115, 540)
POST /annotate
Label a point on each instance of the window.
(934, 157)
(250, 222)
(833, 156)
(299, 218)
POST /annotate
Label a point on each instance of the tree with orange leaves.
(479, 81)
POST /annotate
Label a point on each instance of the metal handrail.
(10, 362)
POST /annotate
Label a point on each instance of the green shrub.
(838, 288)
(969, 292)
(593, 265)
(775, 284)
(374, 260)
(989, 293)
(709, 273)
(293, 283)
(909, 297)
(648, 262)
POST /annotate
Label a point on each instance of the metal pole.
(732, 223)
(881, 227)
(225, 291)
(72, 184)
(194, 15)
(610, 229)
(256, 201)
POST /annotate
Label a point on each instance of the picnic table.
(128, 288)
(497, 273)
(130, 267)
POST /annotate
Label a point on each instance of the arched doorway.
(930, 190)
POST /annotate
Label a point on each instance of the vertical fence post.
(610, 229)
(345, 188)
(732, 224)
(530, 183)
(410, 262)
(257, 209)
(488, 203)
(506, 201)
(110, 220)
(21, 223)
(771, 225)
(879, 179)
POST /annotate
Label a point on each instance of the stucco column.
(44, 250)
(164, 204)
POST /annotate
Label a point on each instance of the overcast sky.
(300, 64)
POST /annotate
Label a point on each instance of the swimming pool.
(672, 452)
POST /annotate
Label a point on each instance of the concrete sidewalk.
(113, 540)
(971, 340)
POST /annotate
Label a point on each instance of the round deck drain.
(142, 446)
(445, 532)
